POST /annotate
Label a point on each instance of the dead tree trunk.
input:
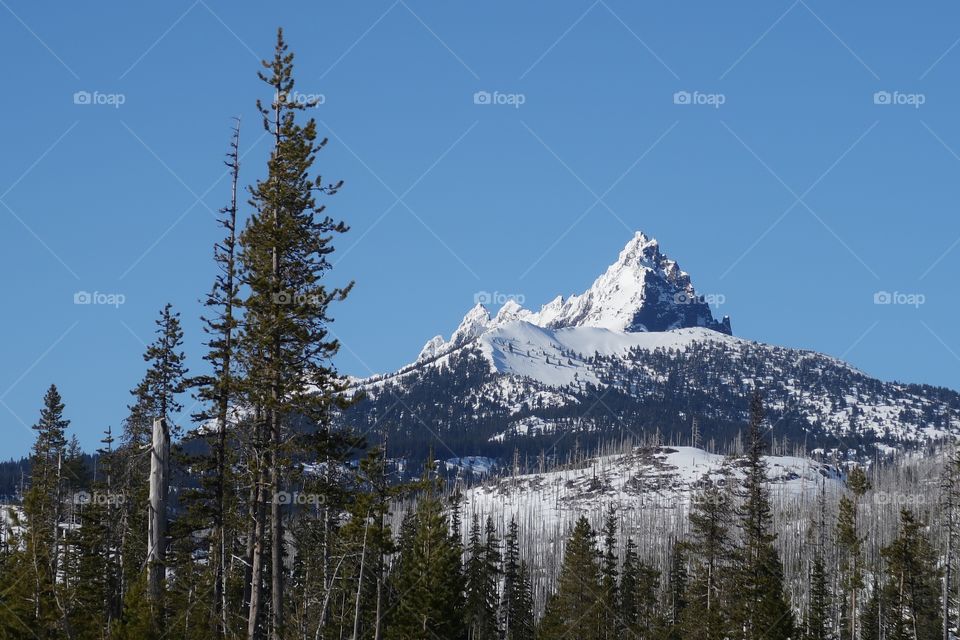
(157, 517)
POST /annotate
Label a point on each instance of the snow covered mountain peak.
(643, 290)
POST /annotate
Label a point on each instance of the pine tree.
(850, 543)
(481, 583)
(760, 607)
(285, 346)
(164, 381)
(871, 620)
(516, 608)
(427, 578)
(818, 605)
(629, 587)
(574, 609)
(610, 624)
(43, 508)
(679, 581)
(911, 594)
(639, 584)
(710, 547)
(218, 391)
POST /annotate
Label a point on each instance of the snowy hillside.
(659, 478)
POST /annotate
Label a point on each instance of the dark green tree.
(760, 607)
(516, 607)
(427, 579)
(285, 346)
(574, 610)
(711, 551)
(911, 595)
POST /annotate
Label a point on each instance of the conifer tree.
(427, 579)
(818, 605)
(761, 610)
(850, 543)
(871, 621)
(163, 382)
(218, 391)
(574, 609)
(911, 594)
(610, 624)
(482, 576)
(43, 508)
(679, 580)
(285, 346)
(516, 608)
(711, 548)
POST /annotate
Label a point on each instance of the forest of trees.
(263, 520)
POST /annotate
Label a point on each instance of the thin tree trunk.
(363, 555)
(223, 408)
(256, 565)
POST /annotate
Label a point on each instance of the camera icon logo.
(882, 97)
(282, 497)
(283, 297)
(681, 97)
(482, 97)
(482, 297)
(882, 297)
(82, 97)
(82, 297)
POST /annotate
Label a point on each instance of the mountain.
(640, 356)
(643, 290)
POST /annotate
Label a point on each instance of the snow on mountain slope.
(642, 291)
(557, 357)
(664, 478)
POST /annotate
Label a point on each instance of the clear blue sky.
(797, 198)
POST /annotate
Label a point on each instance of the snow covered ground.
(651, 490)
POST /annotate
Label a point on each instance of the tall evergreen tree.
(760, 608)
(285, 346)
(163, 382)
(218, 392)
(516, 608)
(911, 594)
(850, 543)
(427, 578)
(711, 548)
(610, 623)
(818, 604)
(481, 574)
(43, 508)
(574, 610)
